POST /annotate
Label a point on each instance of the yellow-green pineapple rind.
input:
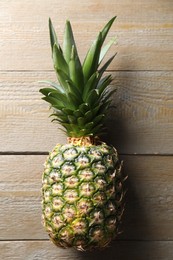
(82, 196)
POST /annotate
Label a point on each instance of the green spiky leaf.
(54, 102)
(77, 113)
(72, 119)
(107, 27)
(68, 42)
(46, 91)
(63, 80)
(91, 61)
(107, 94)
(92, 58)
(52, 84)
(82, 97)
(59, 61)
(75, 70)
(98, 119)
(93, 98)
(83, 108)
(99, 130)
(53, 36)
(104, 67)
(67, 111)
(90, 85)
(104, 83)
(89, 125)
(73, 89)
(106, 48)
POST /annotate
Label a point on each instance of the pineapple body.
(82, 195)
(82, 180)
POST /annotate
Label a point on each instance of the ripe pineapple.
(82, 180)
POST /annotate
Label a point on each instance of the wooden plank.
(149, 202)
(144, 30)
(141, 123)
(43, 250)
(23, 115)
(20, 197)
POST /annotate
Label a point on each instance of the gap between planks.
(119, 70)
(47, 153)
(118, 240)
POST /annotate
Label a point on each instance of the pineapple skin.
(82, 190)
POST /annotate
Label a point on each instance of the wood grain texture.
(149, 203)
(142, 121)
(144, 30)
(44, 250)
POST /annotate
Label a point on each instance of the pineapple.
(82, 181)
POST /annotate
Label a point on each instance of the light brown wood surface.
(144, 30)
(44, 250)
(136, 125)
(149, 203)
(141, 126)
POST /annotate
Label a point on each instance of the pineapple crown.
(82, 98)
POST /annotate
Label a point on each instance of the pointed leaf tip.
(68, 21)
(106, 28)
(52, 34)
